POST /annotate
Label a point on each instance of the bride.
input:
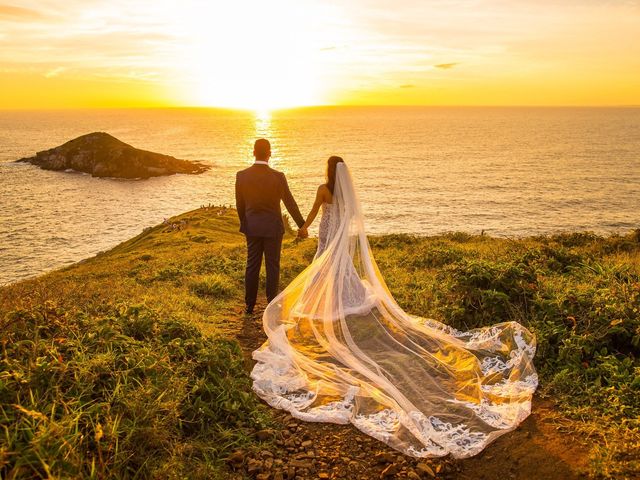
(341, 350)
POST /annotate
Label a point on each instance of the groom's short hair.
(262, 149)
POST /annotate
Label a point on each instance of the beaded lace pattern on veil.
(341, 350)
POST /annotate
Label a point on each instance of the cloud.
(18, 13)
(54, 72)
(446, 66)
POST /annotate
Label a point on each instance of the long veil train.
(341, 350)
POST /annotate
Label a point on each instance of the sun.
(252, 55)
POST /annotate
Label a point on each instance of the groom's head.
(262, 149)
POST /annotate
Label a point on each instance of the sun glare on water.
(253, 55)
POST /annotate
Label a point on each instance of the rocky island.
(103, 155)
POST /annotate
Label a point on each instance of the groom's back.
(259, 189)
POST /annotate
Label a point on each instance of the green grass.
(127, 394)
(579, 293)
(214, 285)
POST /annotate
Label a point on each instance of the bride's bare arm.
(320, 198)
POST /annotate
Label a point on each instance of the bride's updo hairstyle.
(331, 171)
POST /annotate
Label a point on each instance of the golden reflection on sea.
(263, 121)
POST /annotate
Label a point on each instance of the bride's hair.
(331, 171)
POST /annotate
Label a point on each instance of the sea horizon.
(315, 106)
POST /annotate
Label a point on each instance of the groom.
(259, 190)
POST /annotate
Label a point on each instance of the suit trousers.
(257, 247)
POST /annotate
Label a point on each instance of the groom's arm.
(290, 203)
(240, 206)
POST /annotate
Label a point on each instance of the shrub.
(436, 256)
(170, 273)
(585, 314)
(485, 292)
(393, 240)
(575, 239)
(214, 286)
(199, 239)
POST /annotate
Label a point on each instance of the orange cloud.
(446, 66)
(18, 13)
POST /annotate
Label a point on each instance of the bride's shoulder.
(324, 192)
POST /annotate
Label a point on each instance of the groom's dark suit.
(259, 190)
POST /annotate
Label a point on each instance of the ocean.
(420, 170)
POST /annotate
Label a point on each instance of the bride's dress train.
(341, 350)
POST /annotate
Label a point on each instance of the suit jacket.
(259, 190)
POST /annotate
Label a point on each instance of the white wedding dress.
(341, 350)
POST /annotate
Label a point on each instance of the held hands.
(303, 233)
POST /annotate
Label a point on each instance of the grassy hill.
(126, 364)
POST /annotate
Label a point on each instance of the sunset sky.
(283, 53)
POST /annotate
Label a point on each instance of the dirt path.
(537, 449)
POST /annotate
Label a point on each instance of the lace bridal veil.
(341, 350)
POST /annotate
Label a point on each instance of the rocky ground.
(539, 449)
